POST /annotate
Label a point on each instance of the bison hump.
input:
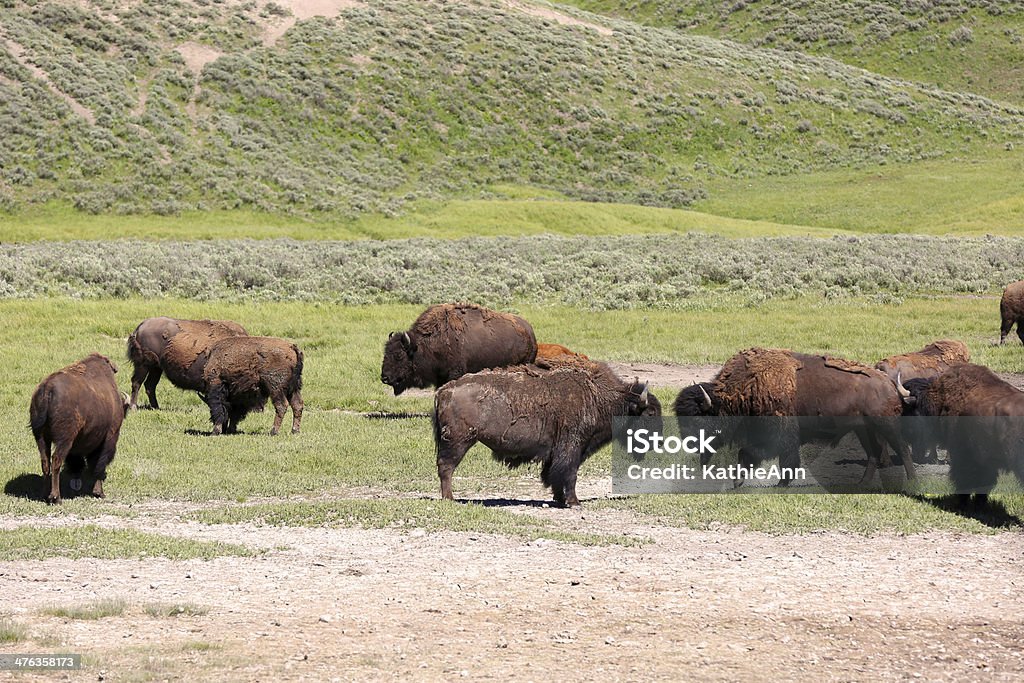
(758, 382)
(848, 366)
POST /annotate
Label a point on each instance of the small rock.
(325, 618)
(609, 640)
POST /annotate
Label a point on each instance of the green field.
(167, 454)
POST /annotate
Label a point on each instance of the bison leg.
(296, 402)
(151, 382)
(60, 454)
(561, 472)
(1020, 332)
(106, 454)
(1004, 328)
(449, 455)
(280, 410)
(216, 399)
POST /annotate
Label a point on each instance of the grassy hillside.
(167, 107)
(965, 45)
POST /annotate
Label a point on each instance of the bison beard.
(75, 416)
(525, 414)
(243, 372)
(450, 340)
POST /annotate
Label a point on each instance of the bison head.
(640, 402)
(696, 401)
(397, 370)
(913, 395)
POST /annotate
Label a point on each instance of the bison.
(556, 417)
(978, 428)
(76, 415)
(841, 395)
(1011, 310)
(931, 361)
(555, 351)
(177, 348)
(449, 340)
(243, 372)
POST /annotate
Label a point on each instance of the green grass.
(165, 454)
(186, 609)
(74, 542)
(100, 609)
(11, 631)
(450, 219)
(950, 196)
(406, 514)
(806, 513)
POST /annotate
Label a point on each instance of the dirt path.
(354, 604)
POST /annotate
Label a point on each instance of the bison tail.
(136, 353)
(38, 411)
(295, 384)
(435, 422)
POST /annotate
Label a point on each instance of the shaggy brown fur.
(772, 382)
(525, 414)
(931, 361)
(758, 382)
(177, 348)
(449, 340)
(980, 438)
(76, 415)
(547, 352)
(1011, 310)
(243, 372)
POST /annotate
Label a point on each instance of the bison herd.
(543, 403)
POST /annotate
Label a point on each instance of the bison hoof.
(75, 484)
(295, 431)
(52, 500)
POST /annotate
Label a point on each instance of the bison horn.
(904, 392)
(643, 394)
(707, 399)
(406, 340)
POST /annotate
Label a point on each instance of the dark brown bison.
(1011, 310)
(978, 425)
(449, 340)
(243, 372)
(931, 361)
(841, 395)
(556, 417)
(177, 348)
(76, 415)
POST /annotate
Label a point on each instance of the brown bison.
(177, 348)
(243, 372)
(931, 361)
(1011, 310)
(555, 351)
(978, 426)
(525, 414)
(76, 415)
(841, 395)
(449, 340)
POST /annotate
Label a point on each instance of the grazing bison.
(1011, 310)
(931, 361)
(243, 372)
(76, 415)
(449, 340)
(842, 395)
(177, 348)
(978, 429)
(524, 414)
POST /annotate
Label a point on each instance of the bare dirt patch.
(719, 605)
(302, 9)
(554, 15)
(18, 52)
(197, 55)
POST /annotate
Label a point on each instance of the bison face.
(397, 370)
(640, 402)
(696, 401)
(913, 395)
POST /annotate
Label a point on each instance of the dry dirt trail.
(353, 604)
